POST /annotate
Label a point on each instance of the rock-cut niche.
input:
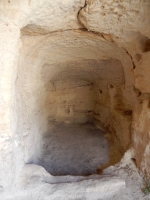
(70, 91)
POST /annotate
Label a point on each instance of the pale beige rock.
(73, 61)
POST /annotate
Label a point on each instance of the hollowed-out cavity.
(70, 86)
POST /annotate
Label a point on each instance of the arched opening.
(68, 94)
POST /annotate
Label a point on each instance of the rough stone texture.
(49, 49)
(116, 17)
(9, 53)
(121, 181)
(74, 149)
(36, 180)
(51, 63)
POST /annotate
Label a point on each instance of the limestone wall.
(71, 103)
(72, 60)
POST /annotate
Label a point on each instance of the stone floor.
(74, 149)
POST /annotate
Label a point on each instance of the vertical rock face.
(73, 61)
(9, 52)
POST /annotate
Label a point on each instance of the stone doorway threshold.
(36, 183)
(119, 182)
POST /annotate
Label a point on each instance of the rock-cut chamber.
(69, 89)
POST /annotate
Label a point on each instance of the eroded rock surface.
(73, 61)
